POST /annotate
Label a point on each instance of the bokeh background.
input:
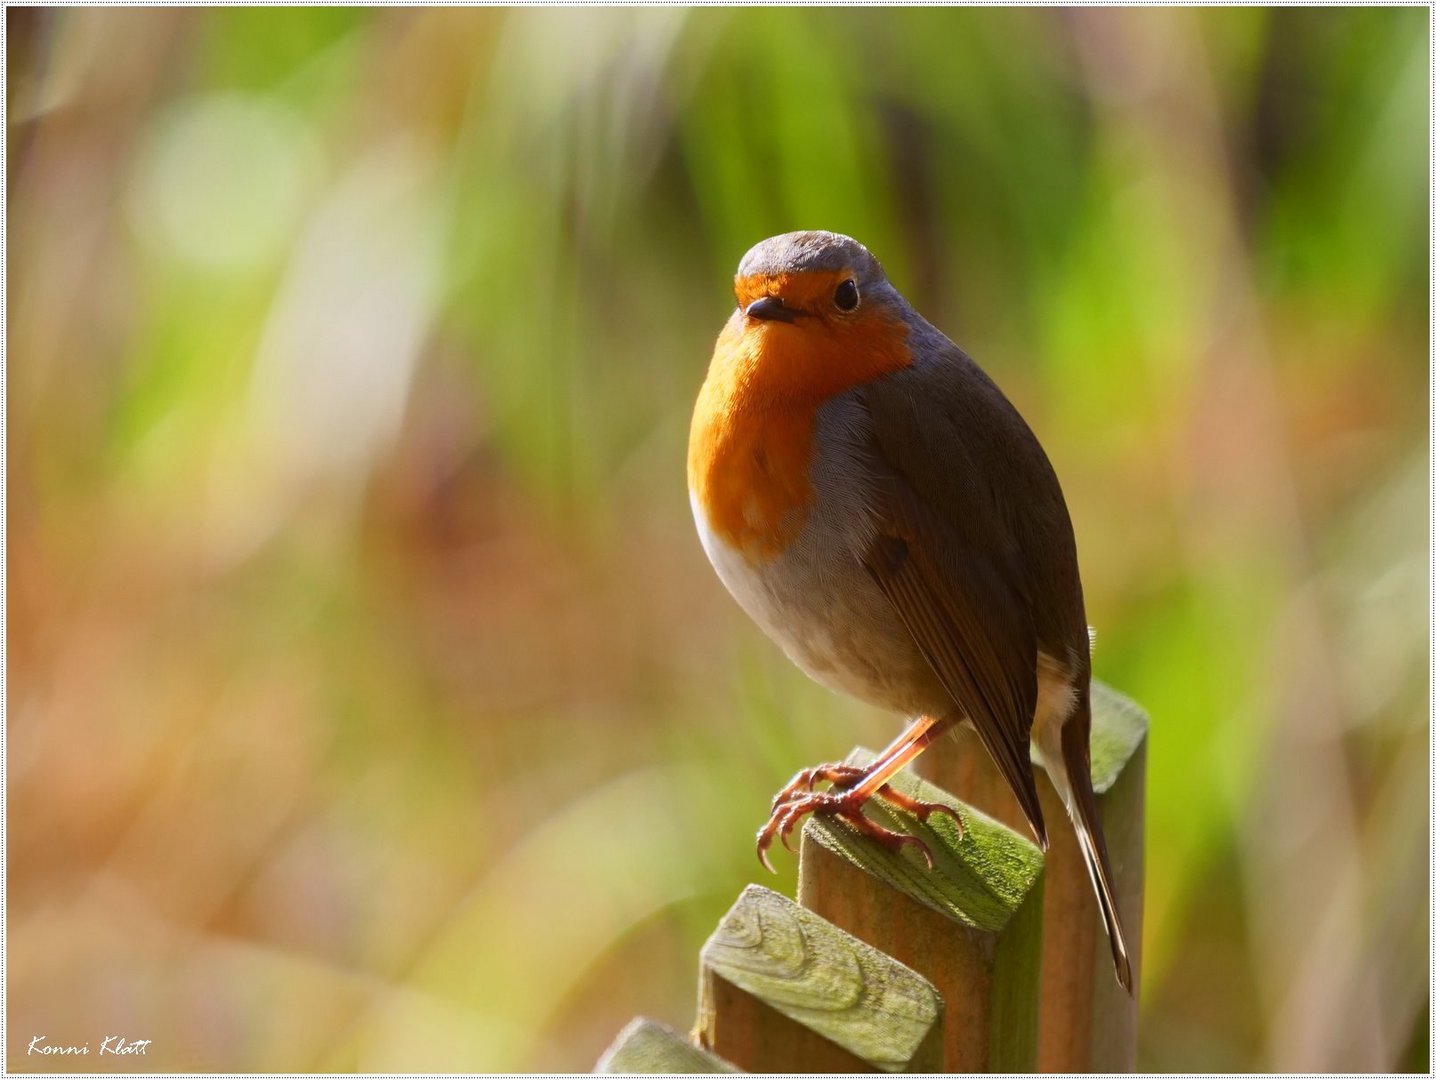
(371, 704)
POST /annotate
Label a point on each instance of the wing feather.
(957, 581)
(976, 638)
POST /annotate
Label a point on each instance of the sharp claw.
(785, 828)
(807, 780)
(956, 818)
(921, 847)
(921, 810)
(799, 799)
(765, 841)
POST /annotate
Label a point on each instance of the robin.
(873, 501)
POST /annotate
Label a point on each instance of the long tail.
(1082, 805)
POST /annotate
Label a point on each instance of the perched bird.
(880, 509)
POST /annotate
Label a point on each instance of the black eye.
(847, 295)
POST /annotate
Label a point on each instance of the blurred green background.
(372, 705)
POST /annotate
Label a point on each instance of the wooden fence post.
(972, 924)
(646, 1046)
(1086, 1021)
(1012, 943)
(782, 990)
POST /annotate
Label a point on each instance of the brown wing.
(972, 628)
(964, 490)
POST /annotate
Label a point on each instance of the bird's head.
(817, 313)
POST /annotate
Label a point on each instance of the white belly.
(819, 604)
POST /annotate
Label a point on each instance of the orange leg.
(853, 787)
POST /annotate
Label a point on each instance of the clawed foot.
(798, 799)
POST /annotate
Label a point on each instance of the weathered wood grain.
(1086, 1021)
(972, 924)
(783, 990)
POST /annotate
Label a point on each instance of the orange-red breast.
(880, 509)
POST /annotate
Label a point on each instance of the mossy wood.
(648, 1047)
(972, 924)
(1085, 1021)
(782, 990)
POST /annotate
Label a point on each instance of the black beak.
(770, 309)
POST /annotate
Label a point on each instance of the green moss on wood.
(1119, 725)
(980, 880)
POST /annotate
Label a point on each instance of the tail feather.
(1082, 804)
(1018, 774)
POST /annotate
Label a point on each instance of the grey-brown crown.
(796, 252)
